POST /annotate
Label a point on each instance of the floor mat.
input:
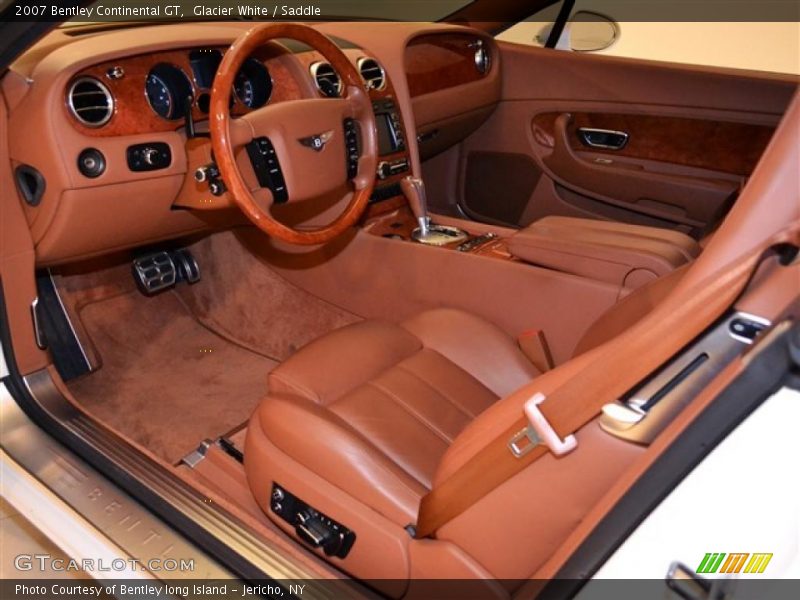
(166, 381)
(242, 299)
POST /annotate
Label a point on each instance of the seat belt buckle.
(539, 431)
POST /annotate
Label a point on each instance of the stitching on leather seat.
(458, 406)
(410, 410)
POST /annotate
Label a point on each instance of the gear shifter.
(414, 190)
(427, 232)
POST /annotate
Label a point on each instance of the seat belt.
(549, 423)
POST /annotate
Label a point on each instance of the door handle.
(602, 138)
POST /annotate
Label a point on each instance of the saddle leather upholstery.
(373, 407)
(357, 423)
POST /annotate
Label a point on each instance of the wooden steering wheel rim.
(224, 147)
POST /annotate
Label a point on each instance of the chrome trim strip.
(657, 401)
(584, 132)
(125, 522)
(61, 524)
(37, 331)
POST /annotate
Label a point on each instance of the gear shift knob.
(414, 191)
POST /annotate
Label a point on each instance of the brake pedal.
(154, 273)
(159, 271)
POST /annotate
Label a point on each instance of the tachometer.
(253, 84)
(243, 86)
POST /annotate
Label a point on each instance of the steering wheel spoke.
(241, 132)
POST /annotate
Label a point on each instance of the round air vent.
(372, 73)
(90, 102)
(326, 79)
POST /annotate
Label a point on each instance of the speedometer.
(169, 91)
(159, 96)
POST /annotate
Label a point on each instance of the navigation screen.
(387, 140)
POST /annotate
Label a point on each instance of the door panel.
(693, 137)
(677, 196)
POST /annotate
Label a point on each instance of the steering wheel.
(307, 137)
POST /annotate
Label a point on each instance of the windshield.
(178, 10)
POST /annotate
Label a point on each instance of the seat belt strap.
(550, 423)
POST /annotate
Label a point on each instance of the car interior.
(311, 271)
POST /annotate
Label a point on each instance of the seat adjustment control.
(314, 528)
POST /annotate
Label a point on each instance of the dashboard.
(107, 130)
(155, 91)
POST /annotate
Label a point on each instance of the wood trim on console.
(440, 61)
(708, 144)
(398, 223)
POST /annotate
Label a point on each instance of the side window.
(760, 46)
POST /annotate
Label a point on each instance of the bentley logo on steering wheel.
(317, 142)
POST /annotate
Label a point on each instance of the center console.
(627, 256)
(393, 159)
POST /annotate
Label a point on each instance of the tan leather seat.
(372, 407)
(357, 422)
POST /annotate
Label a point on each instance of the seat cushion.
(373, 407)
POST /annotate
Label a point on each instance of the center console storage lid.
(626, 255)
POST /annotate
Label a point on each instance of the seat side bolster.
(338, 454)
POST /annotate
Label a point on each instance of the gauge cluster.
(168, 91)
(171, 91)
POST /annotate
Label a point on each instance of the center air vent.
(90, 102)
(326, 79)
(372, 73)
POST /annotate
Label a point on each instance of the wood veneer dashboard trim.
(132, 112)
(439, 61)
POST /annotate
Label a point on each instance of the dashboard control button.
(91, 163)
(115, 72)
(149, 157)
